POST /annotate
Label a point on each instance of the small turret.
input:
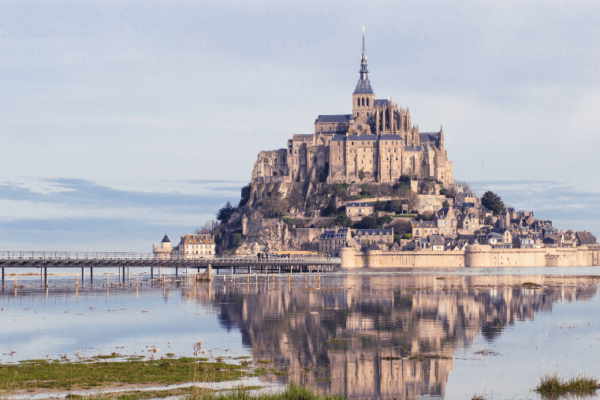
(166, 243)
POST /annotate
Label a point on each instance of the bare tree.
(206, 228)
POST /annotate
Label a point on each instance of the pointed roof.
(166, 239)
(363, 86)
(373, 246)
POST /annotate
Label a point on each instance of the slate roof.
(338, 138)
(411, 148)
(390, 137)
(429, 136)
(364, 232)
(334, 118)
(436, 240)
(361, 137)
(424, 224)
(381, 103)
(585, 238)
(166, 239)
(374, 247)
(340, 234)
(363, 87)
(366, 204)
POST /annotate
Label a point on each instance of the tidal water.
(403, 334)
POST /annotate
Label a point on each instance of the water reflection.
(380, 336)
(377, 335)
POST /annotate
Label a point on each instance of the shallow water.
(355, 333)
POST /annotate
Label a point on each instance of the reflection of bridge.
(123, 261)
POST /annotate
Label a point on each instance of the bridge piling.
(92, 275)
(45, 276)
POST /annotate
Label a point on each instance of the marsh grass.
(553, 385)
(41, 374)
(421, 357)
(531, 285)
(292, 392)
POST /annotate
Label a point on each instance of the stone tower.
(363, 98)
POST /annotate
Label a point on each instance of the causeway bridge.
(124, 261)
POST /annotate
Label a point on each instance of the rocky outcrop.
(266, 235)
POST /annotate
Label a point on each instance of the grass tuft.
(553, 385)
(292, 392)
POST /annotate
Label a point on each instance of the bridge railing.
(74, 256)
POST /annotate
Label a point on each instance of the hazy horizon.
(125, 120)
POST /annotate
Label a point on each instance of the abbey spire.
(363, 86)
(363, 98)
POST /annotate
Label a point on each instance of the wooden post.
(82, 275)
(151, 272)
(76, 281)
(136, 280)
(92, 275)
(3, 277)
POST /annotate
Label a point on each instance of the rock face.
(266, 235)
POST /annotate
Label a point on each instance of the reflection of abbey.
(360, 335)
(376, 143)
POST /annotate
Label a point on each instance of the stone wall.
(473, 256)
(432, 203)
(306, 235)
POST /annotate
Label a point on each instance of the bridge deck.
(43, 259)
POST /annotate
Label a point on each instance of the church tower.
(363, 98)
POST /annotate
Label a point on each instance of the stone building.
(422, 229)
(377, 142)
(164, 251)
(331, 241)
(359, 210)
(370, 236)
(200, 245)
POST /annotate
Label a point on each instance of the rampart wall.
(473, 256)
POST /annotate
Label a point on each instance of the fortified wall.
(473, 256)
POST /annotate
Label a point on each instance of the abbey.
(376, 143)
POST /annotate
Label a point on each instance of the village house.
(359, 210)
(331, 241)
(370, 236)
(446, 222)
(468, 222)
(200, 245)
(422, 229)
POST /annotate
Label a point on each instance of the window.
(358, 102)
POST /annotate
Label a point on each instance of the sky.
(121, 121)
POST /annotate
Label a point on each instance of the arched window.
(367, 102)
(363, 101)
(358, 102)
